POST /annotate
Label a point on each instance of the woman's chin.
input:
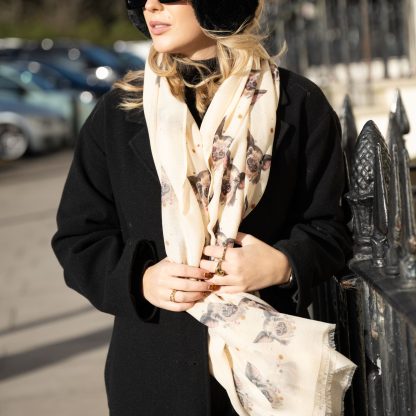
(189, 49)
(165, 47)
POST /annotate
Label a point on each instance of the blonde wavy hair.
(233, 51)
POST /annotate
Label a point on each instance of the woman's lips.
(157, 28)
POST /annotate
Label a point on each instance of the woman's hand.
(253, 266)
(171, 286)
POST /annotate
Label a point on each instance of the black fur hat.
(225, 16)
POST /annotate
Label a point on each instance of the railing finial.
(394, 133)
(380, 215)
(399, 111)
(361, 192)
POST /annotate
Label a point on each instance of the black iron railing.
(374, 306)
(328, 32)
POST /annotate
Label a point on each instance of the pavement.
(53, 343)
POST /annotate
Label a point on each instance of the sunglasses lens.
(139, 4)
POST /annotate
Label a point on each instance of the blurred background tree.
(81, 19)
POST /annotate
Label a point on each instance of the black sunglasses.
(139, 4)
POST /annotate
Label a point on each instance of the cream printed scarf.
(211, 178)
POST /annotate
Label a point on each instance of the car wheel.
(13, 142)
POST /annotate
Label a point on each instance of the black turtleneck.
(192, 76)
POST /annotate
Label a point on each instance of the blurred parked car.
(29, 87)
(97, 63)
(130, 61)
(41, 74)
(80, 81)
(47, 78)
(26, 127)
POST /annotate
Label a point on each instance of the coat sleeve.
(97, 262)
(319, 241)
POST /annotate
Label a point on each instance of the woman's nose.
(152, 5)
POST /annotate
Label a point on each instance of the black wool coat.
(109, 230)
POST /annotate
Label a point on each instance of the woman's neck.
(191, 74)
(208, 52)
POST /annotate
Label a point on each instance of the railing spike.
(400, 113)
(349, 129)
(380, 215)
(394, 133)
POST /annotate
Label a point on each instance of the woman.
(251, 179)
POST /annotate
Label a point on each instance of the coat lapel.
(283, 126)
(281, 133)
(140, 143)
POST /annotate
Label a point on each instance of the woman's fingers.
(183, 270)
(176, 287)
(218, 252)
(227, 280)
(209, 265)
(179, 301)
(227, 259)
(232, 266)
(244, 239)
(186, 285)
(178, 296)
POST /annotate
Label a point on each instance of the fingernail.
(213, 288)
(208, 275)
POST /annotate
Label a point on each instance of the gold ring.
(218, 270)
(172, 296)
(223, 253)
